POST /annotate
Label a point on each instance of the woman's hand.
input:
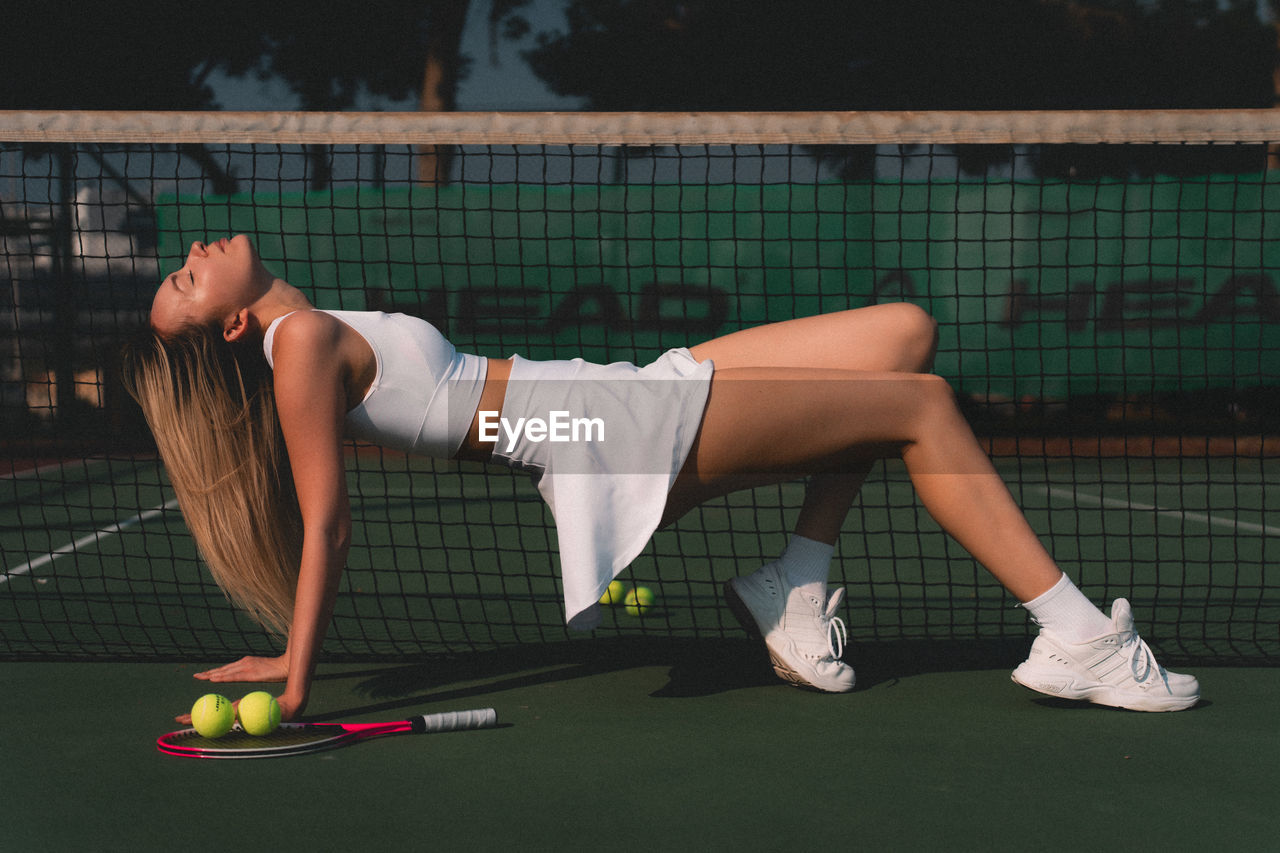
(250, 668)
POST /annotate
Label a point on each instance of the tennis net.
(1105, 285)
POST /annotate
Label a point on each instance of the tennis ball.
(213, 715)
(639, 600)
(614, 594)
(259, 713)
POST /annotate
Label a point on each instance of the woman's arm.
(310, 379)
(311, 397)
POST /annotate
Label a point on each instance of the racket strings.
(238, 739)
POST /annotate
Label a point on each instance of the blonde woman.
(250, 392)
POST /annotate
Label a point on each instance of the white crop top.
(425, 393)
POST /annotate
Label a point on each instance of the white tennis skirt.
(605, 443)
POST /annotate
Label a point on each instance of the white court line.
(96, 536)
(1111, 503)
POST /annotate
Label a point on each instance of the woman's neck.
(280, 299)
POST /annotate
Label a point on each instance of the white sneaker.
(1116, 669)
(802, 633)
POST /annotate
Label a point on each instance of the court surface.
(658, 742)
(640, 745)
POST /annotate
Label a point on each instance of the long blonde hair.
(211, 408)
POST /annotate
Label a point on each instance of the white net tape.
(655, 128)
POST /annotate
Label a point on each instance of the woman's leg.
(765, 425)
(895, 337)
(786, 600)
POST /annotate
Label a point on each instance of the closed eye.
(173, 279)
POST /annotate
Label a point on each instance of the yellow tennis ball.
(259, 713)
(213, 715)
(614, 594)
(639, 600)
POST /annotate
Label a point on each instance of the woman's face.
(217, 280)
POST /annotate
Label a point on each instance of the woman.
(824, 396)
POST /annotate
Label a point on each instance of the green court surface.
(665, 733)
(644, 745)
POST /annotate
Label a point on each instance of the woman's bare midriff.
(498, 371)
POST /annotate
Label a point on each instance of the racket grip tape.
(452, 721)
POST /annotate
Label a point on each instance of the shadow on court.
(695, 668)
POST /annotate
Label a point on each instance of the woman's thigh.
(767, 425)
(891, 337)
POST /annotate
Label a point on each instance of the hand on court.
(249, 668)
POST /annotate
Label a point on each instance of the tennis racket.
(303, 738)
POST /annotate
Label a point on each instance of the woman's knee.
(935, 398)
(917, 334)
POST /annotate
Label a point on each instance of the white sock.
(806, 563)
(1065, 611)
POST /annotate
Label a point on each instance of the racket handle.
(452, 721)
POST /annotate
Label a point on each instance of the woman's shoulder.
(304, 333)
(306, 322)
(313, 345)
